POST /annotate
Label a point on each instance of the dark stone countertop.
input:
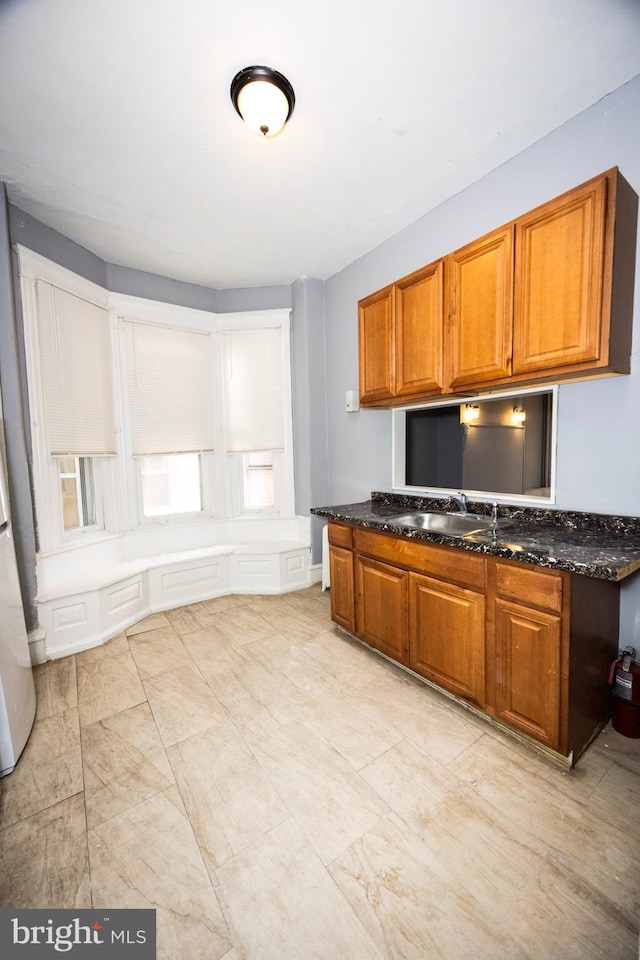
(593, 545)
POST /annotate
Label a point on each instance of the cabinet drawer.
(448, 563)
(530, 586)
(340, 535)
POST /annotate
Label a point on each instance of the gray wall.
(598, 445)
(311, 442)
(16, 422)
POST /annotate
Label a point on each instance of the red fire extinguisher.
(624, 678)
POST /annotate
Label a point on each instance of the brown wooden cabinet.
(531, 640)
(545, 298)
(341, 575)
(446, 636)
(419, 321)
(567, 281)
(528, 646)
(400, 333)
(376, 347)
(382, 604)
(342, 596)
(479, 333)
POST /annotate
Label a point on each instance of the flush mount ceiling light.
(263, 98)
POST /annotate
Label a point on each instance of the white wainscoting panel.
(75, 616)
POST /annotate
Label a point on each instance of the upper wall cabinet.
(400, 338)
(479, 333)
(376, 347)
(546, 298)
(568, 277)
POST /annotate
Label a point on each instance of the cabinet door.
(382, 607)
(342, 587)
(447, 636)
(559, 281)
(481, 302)
(419, 323)
(528, 670)
(376, 347)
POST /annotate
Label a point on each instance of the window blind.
(75, 356)
(253, 382)
(169, 389)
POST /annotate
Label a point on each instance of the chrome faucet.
(461, 499)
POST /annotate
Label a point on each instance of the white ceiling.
(116, 126)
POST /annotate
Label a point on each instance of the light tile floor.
(279, 792)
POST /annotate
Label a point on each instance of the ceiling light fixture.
(263, 98)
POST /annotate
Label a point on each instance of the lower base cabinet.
(342, 594)
(446, 637)
(528, 650)
(529, 647)
(382, 604)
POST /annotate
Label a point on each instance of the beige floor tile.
(258, 697)
(411, 904)
(349, 661)
(49, 770)
(43, 859)
(613, 746)
(108, 686)
(329, 801)
(442, 836)
(56, 687)
(290, 657)
(230, 801)
(292, 623)
(616, 798)
(538, 799)
(358, 729)
(112, 648)
(153, 622)
(221, 604)
(148, 857)
(258, 603)
(243, 625)
(194, 616)
(560, 917)
(182, 704)
(213, 651)
(282, 904)
(313, 601)
(124, 762)
(422, 714)
(579, 782)
(482, 850)
(157, 651)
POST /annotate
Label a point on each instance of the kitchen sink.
(448, 524)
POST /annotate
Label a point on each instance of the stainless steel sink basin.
(448, 524)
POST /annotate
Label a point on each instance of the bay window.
(148, 416)
(77, 493)
(171, 484)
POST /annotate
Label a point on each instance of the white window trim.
(50, 524)
(398, 447)
(117, 479)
